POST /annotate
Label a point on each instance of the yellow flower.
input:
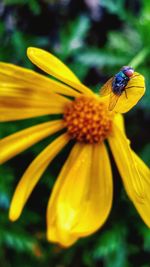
(82, 195)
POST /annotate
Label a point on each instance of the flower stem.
(139, 58)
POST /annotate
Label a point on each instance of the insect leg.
(125, 92)
(134, 86)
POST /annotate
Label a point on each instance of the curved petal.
(53, 66)
(14, 144)
(143, 208)
(82, 196)
(135, 89)
(49, 63)
(19, 93)
(126, 164)
(24, 106)
(12, 114)
(60, 213)
(119, 121)
(98, 202)
(144, 170)
(53, 235)
(28, 101)
(33, 174)
(22, 79)
(19, 103)
(135, 174)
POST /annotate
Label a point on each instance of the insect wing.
(113, 101)
(107, 87)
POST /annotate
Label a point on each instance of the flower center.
(88, 120)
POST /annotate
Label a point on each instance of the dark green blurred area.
(95, 38)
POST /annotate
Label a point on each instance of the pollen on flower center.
(88, 120)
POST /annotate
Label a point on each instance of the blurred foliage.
(95, 38)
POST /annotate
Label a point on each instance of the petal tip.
(31, 50)
(13, 216)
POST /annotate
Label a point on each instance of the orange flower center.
(88, 120)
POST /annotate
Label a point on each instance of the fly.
(116, 85)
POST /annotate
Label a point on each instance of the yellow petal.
(50, 63)
(12, 145)
(144, 170)
(135, 89)
(119, 121)
(53, 232)
(126, 164)
(53, 66)
(19, 101)
(97, 204)
(23, 105)
(33, 174)
(12, 114)
(144, 207)
(21, 93)
(60, 221)
(28, 101)
(134, 173)
(21, 79)
(82, 196)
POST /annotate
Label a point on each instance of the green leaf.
(99, 58)
(72, 37)
(33, 4)
(115, 7)
(112, 247)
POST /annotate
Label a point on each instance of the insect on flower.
(81, 198)
(117, 84)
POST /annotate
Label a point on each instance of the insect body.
(117, 85)
(121, 79)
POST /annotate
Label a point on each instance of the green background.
(95, 39)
